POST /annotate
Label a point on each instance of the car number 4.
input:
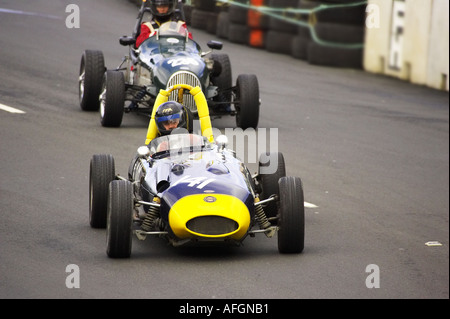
(199, 182)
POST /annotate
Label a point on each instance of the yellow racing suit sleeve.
(202, 108)
(203, 113)
(152, 130)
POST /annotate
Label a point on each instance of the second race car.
(168, 58)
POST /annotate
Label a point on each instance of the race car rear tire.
(112, 99)
(247, 104)
(102, 172)
(120, 214)
(92, 68)
(269, 182)
(223, 81)
(291, 223)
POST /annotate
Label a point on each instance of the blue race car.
(191, 188)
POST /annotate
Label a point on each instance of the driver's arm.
(183, 26)
(203, 113)
(202, 108)
(147, 31)
(152, 131)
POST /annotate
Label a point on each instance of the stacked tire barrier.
(238, 31)
(259, 24)
(204, 15)
(407, 39)
(325, 32)
(281, 33)
(336, 34)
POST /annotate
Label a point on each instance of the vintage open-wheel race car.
(168, 58)
(190, 188)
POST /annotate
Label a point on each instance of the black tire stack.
(137, 2)
(336, 29)
(238, 30)
(339, 28)
(281, 34)
(223, 22)
(259, 25)
(203, 15)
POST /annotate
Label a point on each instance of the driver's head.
(162, 9)
(171, 115)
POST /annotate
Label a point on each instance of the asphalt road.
(372, 151)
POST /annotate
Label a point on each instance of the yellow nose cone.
(214, 216)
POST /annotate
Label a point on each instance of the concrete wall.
(409, 40)
(438, 65)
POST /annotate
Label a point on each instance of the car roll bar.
(202, 107)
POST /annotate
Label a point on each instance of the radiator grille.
(183, 77)
(212, 225)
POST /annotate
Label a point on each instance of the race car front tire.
(120, 214)
(102, 172)
(92, 68)
(247, 104)
(112, 99)
(269, 182)
(291, 222)
(223, 80)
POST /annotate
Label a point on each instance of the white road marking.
(10, 109)
(309, 205)
(3, 10)
(433, 243)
